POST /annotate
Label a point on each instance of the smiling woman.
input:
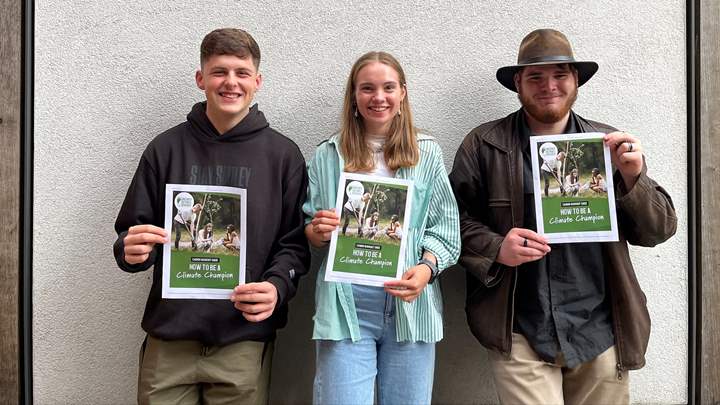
(387, 337)
(376, 104)
(378, 96)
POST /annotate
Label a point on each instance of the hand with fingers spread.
(256, 301)
(626, 154)
(318, 231)
(521, 246)
(140, 241)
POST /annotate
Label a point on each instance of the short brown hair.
(229, 41)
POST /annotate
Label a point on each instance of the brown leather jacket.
(487, 181)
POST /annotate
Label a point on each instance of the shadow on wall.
(462, 375)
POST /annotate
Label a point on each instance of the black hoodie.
(252, 156)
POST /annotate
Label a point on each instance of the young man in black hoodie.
(214, 351)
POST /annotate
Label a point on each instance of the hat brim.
(506, 75)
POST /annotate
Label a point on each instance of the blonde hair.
(401, 147)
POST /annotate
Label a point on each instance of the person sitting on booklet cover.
(205, 237)
(394, 231)
(231, 240)
(572, 183)
(214, 351)
(597, 183)
(562, 325)
(366, 333)
(371, 225)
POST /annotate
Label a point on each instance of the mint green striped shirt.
(434, 226)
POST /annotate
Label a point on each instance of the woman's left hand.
(412, 283)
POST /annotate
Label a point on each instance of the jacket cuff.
(636, 197)
(484, 267)
(282, 289)
(119, 252)
(494, 275)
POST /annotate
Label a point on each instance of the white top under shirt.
(376, 144)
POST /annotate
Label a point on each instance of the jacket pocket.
(499, 214)
(498, 202)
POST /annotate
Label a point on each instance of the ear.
(403, 89)
(258, 81)
(575, 73)
(199, 80)
(516, 79)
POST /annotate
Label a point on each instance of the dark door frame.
(692, 36)
(27, 158)
(10, 168)
(703, 106)
(700, 284)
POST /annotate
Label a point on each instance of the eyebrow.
(553, 72)
(384, 84)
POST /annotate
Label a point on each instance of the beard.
(547, 115)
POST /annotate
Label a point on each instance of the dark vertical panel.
(709, 140)
(694, 304)
(10, 123)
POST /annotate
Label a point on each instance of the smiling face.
(378, 96)
(547, 92)
(230, 83)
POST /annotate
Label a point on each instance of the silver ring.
(525, 242)
(631, 146)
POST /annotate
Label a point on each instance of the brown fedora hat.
(545, 47)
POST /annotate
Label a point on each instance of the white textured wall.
(111, 75)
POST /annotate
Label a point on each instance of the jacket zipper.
(512, 302)
(619, 366)
(512, 310)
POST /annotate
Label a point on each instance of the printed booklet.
(369, 245)
(573, 188)
(205, 258)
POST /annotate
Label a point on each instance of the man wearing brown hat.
(562, 323)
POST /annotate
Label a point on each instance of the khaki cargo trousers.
(526, 379)
(187, 372)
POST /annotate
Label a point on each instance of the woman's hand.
(318, 231)
(413, 281)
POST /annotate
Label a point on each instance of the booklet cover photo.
(205, 257)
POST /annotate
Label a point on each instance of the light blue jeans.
(345, 372)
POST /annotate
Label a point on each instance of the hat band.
(558, 59)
